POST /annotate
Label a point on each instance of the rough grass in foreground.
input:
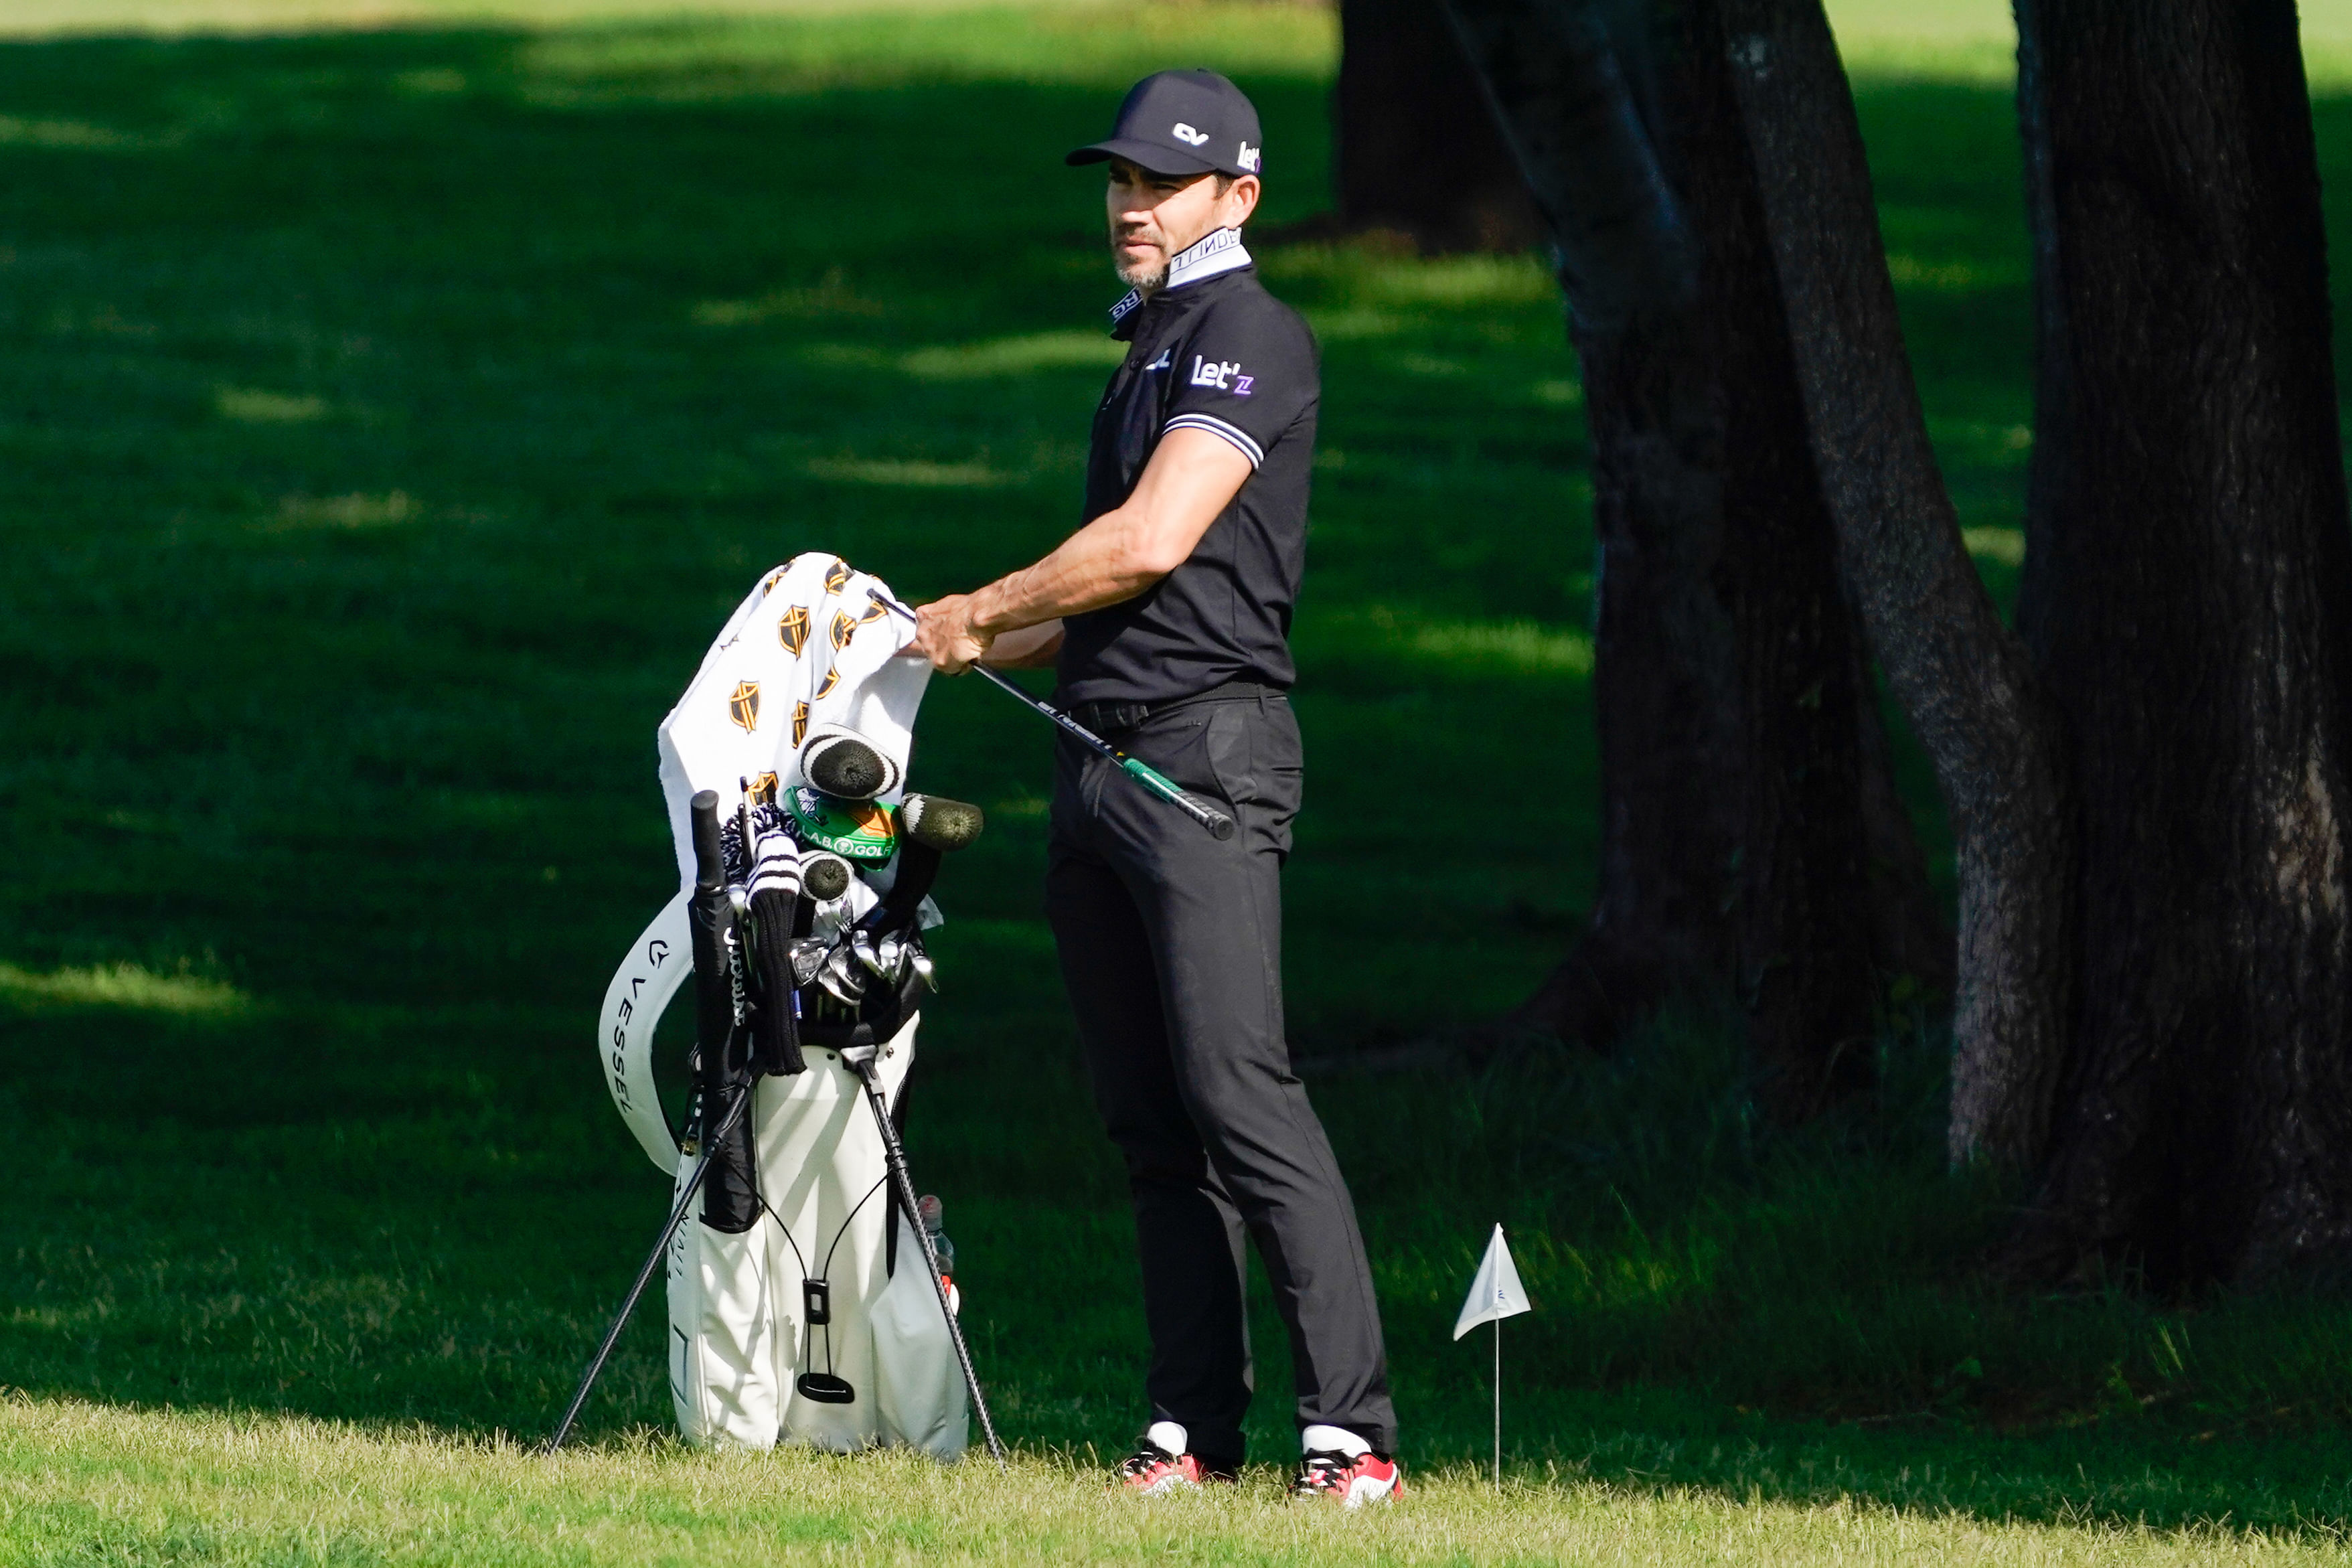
(82, 1483)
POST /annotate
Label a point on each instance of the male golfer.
(1168, 617)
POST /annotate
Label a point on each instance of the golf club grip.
(1219, 826)
(702, 814)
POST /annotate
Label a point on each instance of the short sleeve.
(1243, 376)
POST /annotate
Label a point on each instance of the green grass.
(113, 1488)
(388, 417)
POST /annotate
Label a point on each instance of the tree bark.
(1741, 749)
(1962, 677)
(2188, 596)
(1412, 151)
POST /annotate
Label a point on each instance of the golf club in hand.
(1219, 825)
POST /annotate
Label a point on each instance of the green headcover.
(857, 830)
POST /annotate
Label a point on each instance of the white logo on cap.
(1188, 136)
(1248, 160)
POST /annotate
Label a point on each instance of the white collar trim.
(1219, 250)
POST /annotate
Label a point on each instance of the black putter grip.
(702, 814)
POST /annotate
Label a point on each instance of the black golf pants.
(1171, 948)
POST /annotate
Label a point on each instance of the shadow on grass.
(360, 1234)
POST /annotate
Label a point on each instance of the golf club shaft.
(1219, 825)
(653, 1260)
(895, 1156)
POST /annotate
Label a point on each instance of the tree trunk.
(1666, 686)
(1740, 747)
(1413, 151)
(2189, 597)
(1962, 677)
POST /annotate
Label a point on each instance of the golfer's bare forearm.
(1189, 481)
(1031, 647)
(1105, 562)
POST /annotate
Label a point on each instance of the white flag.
(1497, 1293)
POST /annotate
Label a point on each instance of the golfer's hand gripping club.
(1219, 825)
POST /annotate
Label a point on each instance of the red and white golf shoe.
(1351, 1481)
(1153, 1471)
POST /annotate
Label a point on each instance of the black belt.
(1119, 717)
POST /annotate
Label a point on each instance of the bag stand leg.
(653, 1262)
(861, 1062)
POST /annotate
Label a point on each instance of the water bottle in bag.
(932, 1213)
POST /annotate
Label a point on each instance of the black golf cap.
(1183, 122)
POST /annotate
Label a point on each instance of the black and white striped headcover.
(775, 866)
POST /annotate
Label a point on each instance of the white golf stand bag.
(806, 1312)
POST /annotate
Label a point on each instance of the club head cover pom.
(837, 760)
(939, 823)
(826, 877)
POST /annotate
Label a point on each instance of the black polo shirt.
(1210, 350)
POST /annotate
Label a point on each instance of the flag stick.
(1498, 1405)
